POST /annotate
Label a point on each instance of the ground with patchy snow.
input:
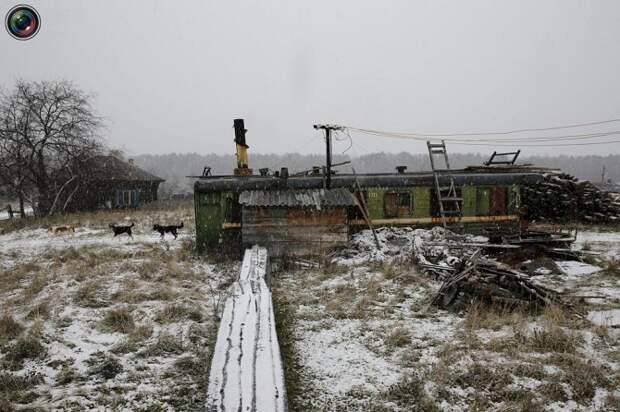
(359, 334)
(89, 321)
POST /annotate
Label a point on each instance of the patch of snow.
(341, 363)
(607, 318)
(575, 269)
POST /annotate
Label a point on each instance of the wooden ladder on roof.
(450, 203)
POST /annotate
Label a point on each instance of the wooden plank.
(246, 370)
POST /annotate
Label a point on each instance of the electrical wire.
(501, 142)
(504, 132)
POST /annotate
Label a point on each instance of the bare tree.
(47, 131)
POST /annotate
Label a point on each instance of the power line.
(558, 140)
(504, 132)
(536, 145)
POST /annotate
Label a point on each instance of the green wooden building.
(299, 215)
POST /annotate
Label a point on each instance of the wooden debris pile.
(493, 282)
(561, 197)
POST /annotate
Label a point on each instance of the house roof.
(111, 168)
(318, 198)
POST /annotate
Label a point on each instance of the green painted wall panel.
(483, 201)
(421, 201)
(469, 200)
(375, 202)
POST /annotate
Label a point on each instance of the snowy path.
(246, 371)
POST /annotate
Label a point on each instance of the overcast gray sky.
(170, 76)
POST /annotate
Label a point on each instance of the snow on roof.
(297, 198)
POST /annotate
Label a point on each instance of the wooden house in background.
(107, 182)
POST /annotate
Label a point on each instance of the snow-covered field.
(359, 334)
(93, 322)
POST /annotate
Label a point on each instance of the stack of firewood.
(491, 282)
(561, 197)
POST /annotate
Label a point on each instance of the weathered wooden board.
(295, 232)
(246, 370)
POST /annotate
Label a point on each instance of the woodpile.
(561, 197)
(492, 282)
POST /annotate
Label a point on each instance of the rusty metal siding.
(295, 231)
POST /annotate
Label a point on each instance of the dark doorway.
(499, 201)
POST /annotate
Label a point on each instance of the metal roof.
(239, 184)
(318, 198)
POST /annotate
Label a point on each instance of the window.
(398, 204)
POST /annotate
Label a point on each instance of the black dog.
(119, 230)
(172, 229)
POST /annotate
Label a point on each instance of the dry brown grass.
(398, 337)
(156, 212)
(28, 346)
(552, 339)
(118, 320)
(612, 268)
(483, 316)
(40, 310)
(176, 312)
(9, 327)
(38, 283)
(90, 295)
(166, 344)
(583, 376)
(135, 340)
(11, 278)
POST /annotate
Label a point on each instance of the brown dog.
(61, 229)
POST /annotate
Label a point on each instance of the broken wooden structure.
(246, 370)
(491, 282)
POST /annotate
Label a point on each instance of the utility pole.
(328, 145)
(603, 175)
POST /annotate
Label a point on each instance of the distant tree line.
(175, 167)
